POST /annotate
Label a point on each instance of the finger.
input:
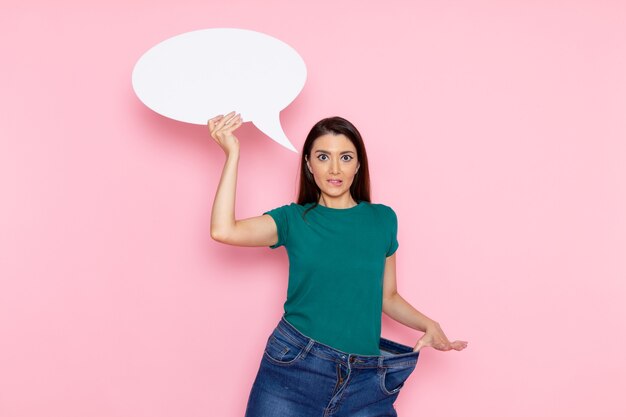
(225, 120)
(230, 126)
(422, 342)
(458, 345)
(213, 122)
(215, 119)
(232, 120)
(219, 124)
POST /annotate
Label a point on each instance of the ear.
(308, 165)
(357, 168)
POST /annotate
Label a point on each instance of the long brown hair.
(309, 192)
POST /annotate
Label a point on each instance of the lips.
(335, 182)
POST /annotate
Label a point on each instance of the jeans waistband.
(399, 355)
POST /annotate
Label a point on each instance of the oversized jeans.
(300, 377)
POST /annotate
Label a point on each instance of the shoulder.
(385, 214)
(383, 209)
(287, 209)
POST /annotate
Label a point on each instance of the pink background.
(496, 130)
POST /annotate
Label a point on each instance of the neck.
(345, 201)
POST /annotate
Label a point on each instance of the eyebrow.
(321, 150)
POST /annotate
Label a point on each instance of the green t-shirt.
(336, 266)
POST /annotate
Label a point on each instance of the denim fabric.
(300, 377)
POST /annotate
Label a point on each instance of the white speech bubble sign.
(197, 75)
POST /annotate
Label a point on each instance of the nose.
(334, 166)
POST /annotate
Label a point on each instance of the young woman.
(326, 356)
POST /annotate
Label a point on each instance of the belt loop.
(308, 348)
(380, 361)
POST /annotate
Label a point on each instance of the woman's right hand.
(222, 127)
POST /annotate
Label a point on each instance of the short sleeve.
(279, 215)
(393, 241)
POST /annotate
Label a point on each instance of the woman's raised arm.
(253, 231)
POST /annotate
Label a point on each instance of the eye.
(346, 158)
(322, 157)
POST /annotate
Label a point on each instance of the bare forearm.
(223, 212)
(401, 311)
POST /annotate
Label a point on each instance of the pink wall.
(495, 129)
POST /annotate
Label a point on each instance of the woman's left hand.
(436, 338)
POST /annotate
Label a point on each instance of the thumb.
(420, 344)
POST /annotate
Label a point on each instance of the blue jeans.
(300, 377)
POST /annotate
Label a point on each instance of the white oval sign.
(196, 75)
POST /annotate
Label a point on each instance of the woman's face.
(333, 163)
